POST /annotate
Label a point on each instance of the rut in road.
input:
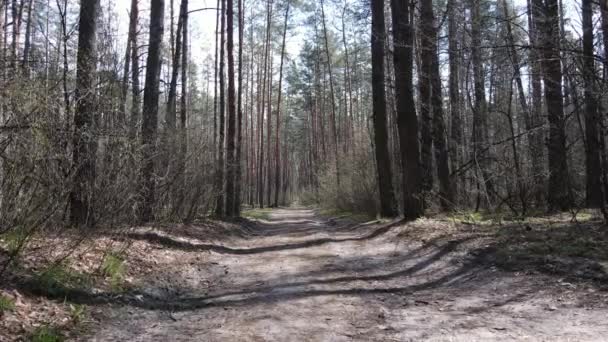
(300, 277)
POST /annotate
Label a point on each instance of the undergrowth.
(113, 267)
(257, 214)
(47, 333)
(6, 304)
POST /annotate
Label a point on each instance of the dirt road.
(300, 277)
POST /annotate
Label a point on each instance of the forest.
(335, 170)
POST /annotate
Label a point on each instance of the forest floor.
(292, 275)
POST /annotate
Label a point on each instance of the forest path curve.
(300, 277)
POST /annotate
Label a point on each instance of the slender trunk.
(28, 39)
(260, 168)
(385, 176)
(215, 70)
(559, 196)
(480, 110)
(183, 109)
(456, 143)
(277, 152)
(171, 113)
(536, 137)
(230, 167)
(595, 195)
(85, 137)
(150, 108)
(219, 206)
(524, 106)
(239, 143)
(407, 121)
(436, 102)
(332, 97)
(135, 91)
(425, 30)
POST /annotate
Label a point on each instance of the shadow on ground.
(577, 251)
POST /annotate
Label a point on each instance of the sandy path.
(300, 278)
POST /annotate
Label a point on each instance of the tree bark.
(595, 195)
(85, 136)
(277, 151)
(332, 97)
(454, 85)
(230, 160)
(150, 109)
(480, 112)
(407, 121)
(221, 196)
(239, 142)
(385, 176)
(135, 91)
(559, 191)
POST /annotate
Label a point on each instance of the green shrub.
(6, 304)
(14, 239)
(257, 214)
(57, 279)
(77, 312)
(113, 267)
(46, 334)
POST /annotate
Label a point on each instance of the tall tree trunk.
(595, 195)
(536, 137)
(407, 121)
(454, 84)
(480, 110)
(239, 138)
(332, 97)
(85, 137)
(524, 106)
(28, 40)
(230, 167)
(171, 113)
(266, 77)
(150, 108)
(183, 108)
(268, 171)
(221, 196)
(385, 176)
(425, 30)
(128, 55)
(215, 83)
(135, 91)
(436, 102)
(559, 194)
(277, 150)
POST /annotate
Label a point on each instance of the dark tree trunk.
(536, 137)
(385, 176)
(277, 151)
(183, 108)
(454, 84)
(407, 121)
(480, 110)
(219, 206)
(28, 40)
(595, 195)
(150, 109)
(135, 91)
(171, 114)
(230, 167)
(436, 102)
(333, 126)
(425, 30)
(85, 137)
(559, 192)
(239, 138)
